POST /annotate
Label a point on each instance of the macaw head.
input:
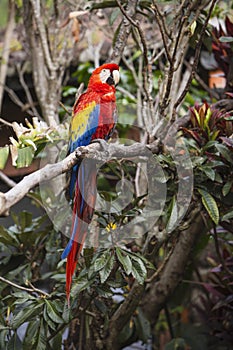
(108, 73)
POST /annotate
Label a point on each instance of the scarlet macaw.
(94, 117)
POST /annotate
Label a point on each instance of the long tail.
(83, 209)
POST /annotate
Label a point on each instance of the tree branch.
(158, 292)
(92, 151)
(124, 32)
(123, 315)
(43, 37)
(30, 290)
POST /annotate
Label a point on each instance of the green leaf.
(82, 284)
(173, 215)
(139, 270)
(25, 157)
(26, 314)
(227, 216)
(40, 343)
(14, 343)
(53, 312)
(124, 260)
(105, 272)
(8, 238)
(210, 205)
(225, 152)
(4, 152)
(209, 172)
(3, 337)
(56, 341)
(227, 187)
(48, 320)
(30, 335)
(100, 262)
(25, 219)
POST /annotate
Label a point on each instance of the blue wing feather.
(82, 139)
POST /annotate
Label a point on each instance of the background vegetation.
(170, 287)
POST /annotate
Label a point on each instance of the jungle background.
(170, 286)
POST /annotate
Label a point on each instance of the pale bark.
(6, 48)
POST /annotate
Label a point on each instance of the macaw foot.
(103, 144)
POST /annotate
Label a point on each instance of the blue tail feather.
(70, 243)
(67, 249)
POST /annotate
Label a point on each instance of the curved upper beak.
(116, 76)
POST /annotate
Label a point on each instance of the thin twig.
(5, 122)
(161, 267)
(27, 92)
(132, 70)
(164, 34)
(126, 93)
(202, 83)
(17, 101)
(6, 179)
(30, 290)
(136, 24)
(65, 108)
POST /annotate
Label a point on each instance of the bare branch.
(17, 101)
(30, 290)
(123, 315)
(7, 180)
(202, 83)
(92, 151)
(10, 183)
(146, 72)
(124, 32)
(43, 37)
(27, 91)
(163, 30)
(3, 121)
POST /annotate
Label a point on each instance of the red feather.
(99, 101)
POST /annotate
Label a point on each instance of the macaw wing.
(83, 126)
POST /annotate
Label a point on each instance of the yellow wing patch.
(80, 121)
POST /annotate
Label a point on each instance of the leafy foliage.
(31, 140)
(222, 45)
(217, 302)
(34, 312)
(208, 124)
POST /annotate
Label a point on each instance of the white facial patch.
(104, 75)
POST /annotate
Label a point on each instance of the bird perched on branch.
(94, 117)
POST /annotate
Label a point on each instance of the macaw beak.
(116, 76)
